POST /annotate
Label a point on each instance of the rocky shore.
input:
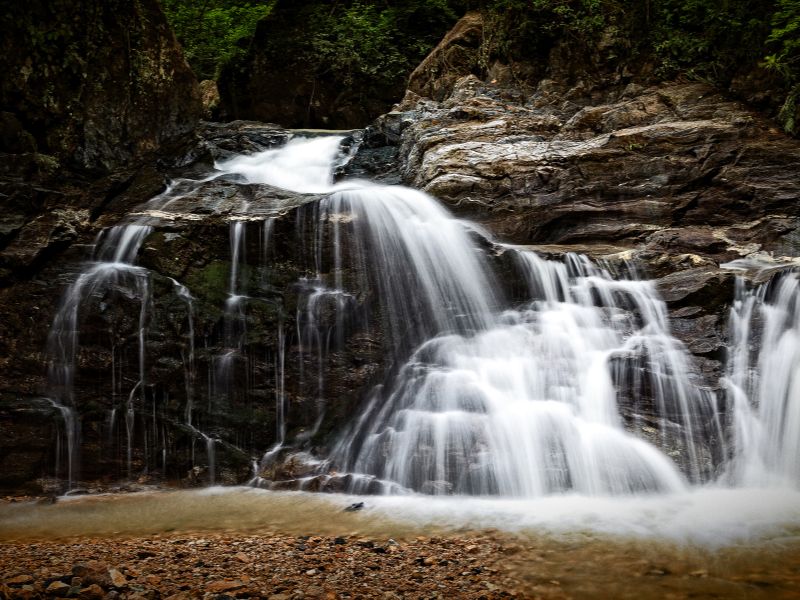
(281, 566)
(275, 566)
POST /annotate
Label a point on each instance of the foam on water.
(302, 165)
(522, 401)
(710, 517)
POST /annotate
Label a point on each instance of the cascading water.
(764, 382)
(577, 385)
(112, 267)
(528, 405)
(112, 274)
(516, 402)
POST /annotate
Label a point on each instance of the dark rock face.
(93, 95)
(99, 91)
(85, 103)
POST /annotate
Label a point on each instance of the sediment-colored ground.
(295, 548)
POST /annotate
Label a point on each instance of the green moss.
(209, 284)
(47, 164)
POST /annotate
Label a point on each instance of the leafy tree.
(210, 30)
(784, 39)
(708, 39)
(376, 40)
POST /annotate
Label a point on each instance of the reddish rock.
(92, 592)
(58, 589)
(217, 587)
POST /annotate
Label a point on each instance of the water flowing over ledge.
(574, 386)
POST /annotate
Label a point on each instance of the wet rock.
(225, 140)
(711, 288)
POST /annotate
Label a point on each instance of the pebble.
(92, 592)
(117, 579)
(58, 589)
(471, 567)
(217, 587)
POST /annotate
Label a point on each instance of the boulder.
(456, 56)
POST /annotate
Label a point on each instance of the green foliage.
(526, 29)
(210, 30)
(378, 41)
(707, 39)
(785, 40)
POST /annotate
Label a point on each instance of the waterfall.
(566, 380)
(487, 398)
(764, 382)
(112, 266)
(528, 405)
(302, 165)
(234, 320)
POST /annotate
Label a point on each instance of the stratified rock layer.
(576, 155)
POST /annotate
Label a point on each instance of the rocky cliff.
(560, 149)
(87, 101)
(93, 95)
(583, 154)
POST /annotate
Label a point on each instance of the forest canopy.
(210, 31)
(710, 40)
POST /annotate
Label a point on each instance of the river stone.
(218, 587)
(118, 580)
(92, 592)
(58, 588)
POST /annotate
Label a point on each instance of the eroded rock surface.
(581, 154)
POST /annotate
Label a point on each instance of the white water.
(541, 400)
(764, 382)
(113, 267)
(518, 402)
(302, 165)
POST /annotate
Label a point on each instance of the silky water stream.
(571, 409)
